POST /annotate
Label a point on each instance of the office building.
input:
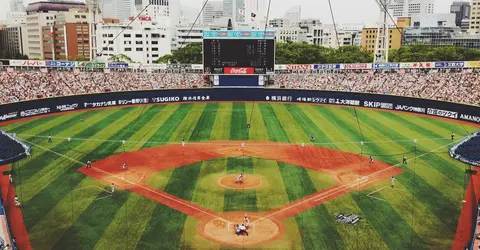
(474, 26)
(143, 41)
(433, 20)
(118, 9)
(461, 10)
(407, 8)
(12, 39)
(42, 14)
(369, 38)
(293, 15)
(68, 38)
(213, 11)
(15, 18)
(440, 36)
(17, 6)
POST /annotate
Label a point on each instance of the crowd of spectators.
(455, 86)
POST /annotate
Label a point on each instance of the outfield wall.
(406, 104)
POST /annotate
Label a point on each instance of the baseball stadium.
(239, 152)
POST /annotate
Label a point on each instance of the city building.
(185, 34)
(255, 12)
(213, 10)
(231, 10)
(433, 20)
(404, 22)
(15, 18)
(290, 34)
(119, 9)
(293, 15)
(278, 23)
(159, 9)
(68, 38)
(474, 26)
(462, 10)
(143, 41)
(440, 36)
(348, 35)
(17, 6)
(40, 14)
(369, 38)
(313, 29)
(12, 39)
(407, 8)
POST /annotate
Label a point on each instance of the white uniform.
(240, 178)
(113, 188)
(125, 166)
(392, 181)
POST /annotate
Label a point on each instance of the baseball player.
(392, 181)
(404, 161)
(246, 221)
(10, 177)
(453, 136)
(371, 159)
(49, 139)
(89, 164)
(183, 142)
(303, 145)
(312, 138)
(248, 124)
(240, 178)
(124, 167)
(113, 188)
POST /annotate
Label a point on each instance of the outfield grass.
(64, 209)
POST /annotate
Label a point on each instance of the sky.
(345, 11)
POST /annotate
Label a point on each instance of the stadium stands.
(468, 150)
(460, 86)
(11, 149)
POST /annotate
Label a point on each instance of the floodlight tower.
(382, 40)
(93, 13)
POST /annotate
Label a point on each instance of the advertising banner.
(238, 71)
(299, 66)
(61, 64)
(386, 102)
(280, 67)
(423, 65)
(326, 66)
(29, 63)
(92, 65)
(357, 66)
(197, 66)
(474, 64)
(449, 64)
(386, 66)
(118, 65)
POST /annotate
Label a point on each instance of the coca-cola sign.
(299, 66)
(238, 71)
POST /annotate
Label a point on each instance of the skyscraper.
(475, 17)
(231, 9)
(121, 9)
(408, 8)
(17, 6)
(212, 11)
(461, 10)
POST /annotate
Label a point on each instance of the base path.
(350, 172)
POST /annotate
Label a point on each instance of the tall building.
(42, 14)
(213, 10)
(231, 10)
(68, 38)
(407, 8)
(143, 42)
(369, 38)
(118, 9)
(12, 39)
(293, 15)
(461, 10)
(17, 6)
(159, 10)
(15, 18)
(475, 17)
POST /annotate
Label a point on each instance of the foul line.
(343, 187)
(145, 188)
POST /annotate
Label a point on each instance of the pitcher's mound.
(249, 182)
(260, 230)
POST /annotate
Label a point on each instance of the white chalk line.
(110, 193)
(132, 183)
(345, 186)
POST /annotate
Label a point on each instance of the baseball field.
(297, 193)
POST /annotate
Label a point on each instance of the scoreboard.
(238, 52)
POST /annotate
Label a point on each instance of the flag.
(253, 15)
(241, 11)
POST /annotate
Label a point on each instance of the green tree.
(120, 58)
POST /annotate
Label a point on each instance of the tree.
(120, 58)
(190, 54)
